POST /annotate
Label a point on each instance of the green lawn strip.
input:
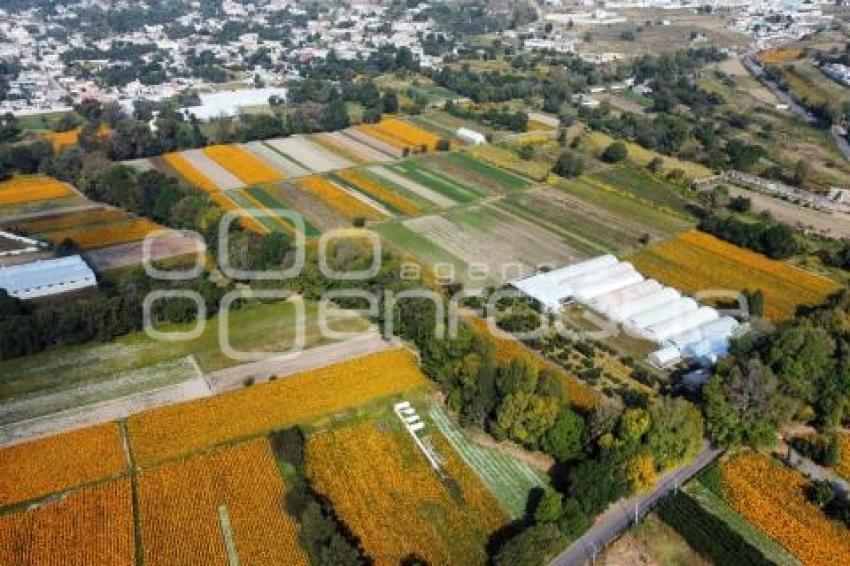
(440, 129)
(506, 178)
(256, 327)
(246, 204)
(626, 205)
(270, 201)
(574, 239)
(423, 249)
(438, 183)
(715, 505)
(508, 479)
(643, 186)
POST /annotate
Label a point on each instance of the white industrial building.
(470, 136)
(645, 308)
(46, 277)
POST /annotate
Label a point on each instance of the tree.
(801, 174)
(640, 472)
(676, 432)
(443, 144)
(569, 164)
(615, 152)
(550, 508)
(390, 102)
(534, 546)
(634, 423)
(564, 439)
(525, 417)
(526, 152)
(655, 165)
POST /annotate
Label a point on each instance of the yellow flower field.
(179, 508)
(90, 526)
(385, 490)
(579, 394)
(349, 206)
(245, 166)
(56, 463)
(773, 499)
(89, 216)
(63, 139)
(379, 192)
(87, 237)
(695, 261)
(189, 172)
(401, 134)
(27, 188)
(506, 159)
(168, 432)
(780, 55)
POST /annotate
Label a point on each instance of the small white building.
(470, 136)
(47, 277)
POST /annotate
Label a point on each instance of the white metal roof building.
(645, 308)
(470, 136)
(47, 277)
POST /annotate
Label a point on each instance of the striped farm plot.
(375, 143)
(365, 153)
(397, 201)
(508, 479)
(203, 163)
(316, 212)
(286, 166)
(418, 189)
(477, 173)
(443, 184)
(267, 200)
(308, 154)
(243, 164)
(495, 241)
(268, 221)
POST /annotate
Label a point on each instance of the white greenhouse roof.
(46, 277)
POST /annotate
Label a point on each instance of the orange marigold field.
(695, 261)
(60, 462)
(189, 172)
(98, 236)
(63, 139)
(780, 55)
(386, 492)
(247, 222)
(772, 497)
(349, 206)
(91, 526)
(168, 432)
(245, 166)
(27, 188)
(179, 509)
(379, 192)
(843, 467)
(580, 395)
(401, 134)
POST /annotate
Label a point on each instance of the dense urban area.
(422, 283)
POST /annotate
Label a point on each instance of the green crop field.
(642, 185)
(506, 178)
(443, 185)
(420, 247)
(508, 479)
(246, 204)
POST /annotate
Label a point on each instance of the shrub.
(615, 152)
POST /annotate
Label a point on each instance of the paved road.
(840, 141)
(621, 516)
(758, 71)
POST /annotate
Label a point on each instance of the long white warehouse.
(644, 307)
(46, 277)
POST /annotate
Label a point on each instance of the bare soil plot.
(308, 154)
(316, 212)
(286, 167)
(733, 67)
(365, 152)
(508, 246)
(622, 103)
(377, 144)
(224, 179)
(122, 255)
(835, 225)
(412, 186)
